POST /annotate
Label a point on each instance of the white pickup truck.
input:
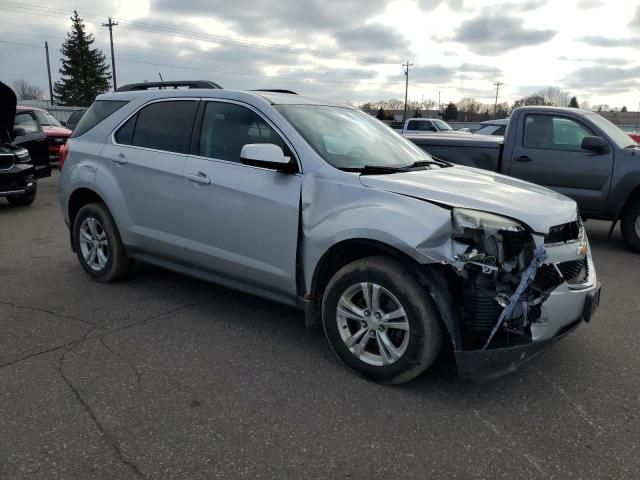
(422, 125)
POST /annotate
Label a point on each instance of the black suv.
(17, 175)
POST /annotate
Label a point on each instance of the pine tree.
(573, 103)
(84, 71)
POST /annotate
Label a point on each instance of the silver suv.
(320, 206)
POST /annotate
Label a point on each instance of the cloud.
(260, 17)
(520, 7)
(493, 34)
(607, 42)
(635, 21)
(439, 74)
(429, 5)
(604, 79)
(373, 39)
(613, 61)
(587, 4)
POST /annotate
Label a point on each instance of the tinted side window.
(165, 126)
(124, 136)
(100, 110)
(556, 133)
(227, 127)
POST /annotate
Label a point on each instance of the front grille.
(547, 277)
(6, 161)
(563, 233)
(575, 271)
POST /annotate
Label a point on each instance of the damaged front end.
(515, 291)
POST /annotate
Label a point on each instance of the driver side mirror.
(265, 155)
(594, 144)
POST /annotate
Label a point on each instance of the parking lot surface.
(162, 376)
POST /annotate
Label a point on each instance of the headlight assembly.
(465, 218)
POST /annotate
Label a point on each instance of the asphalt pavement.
(161, 376)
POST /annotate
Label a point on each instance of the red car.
(635, 136)
(33, 120)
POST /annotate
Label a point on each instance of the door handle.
(199, 178)
(523, 158)
(120, 159)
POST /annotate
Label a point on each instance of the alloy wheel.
(373, 324)
(94, 244)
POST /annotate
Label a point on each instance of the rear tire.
(23, 200)
(630, 225)
(98, 245)
(390, 340)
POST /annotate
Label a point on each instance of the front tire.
(630, 225)
(380, 321)
(98, 245)
(23, 200)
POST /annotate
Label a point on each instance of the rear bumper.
(565, 312)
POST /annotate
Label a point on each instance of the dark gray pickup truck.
(577, 153)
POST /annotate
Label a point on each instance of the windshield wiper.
(376, 169)
(632, 145)
(433, 161)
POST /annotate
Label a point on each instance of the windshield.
(46, 119)
(619, 137)
(351, 139)
(442, 126)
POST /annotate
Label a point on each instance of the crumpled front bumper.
(564, 310)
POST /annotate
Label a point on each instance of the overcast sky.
(350, 50)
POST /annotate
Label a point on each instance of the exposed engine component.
(491, 268)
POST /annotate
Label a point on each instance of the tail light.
(64, 151)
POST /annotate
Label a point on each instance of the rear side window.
(100, 110)
(161, 126)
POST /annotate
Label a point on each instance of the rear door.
(145, 160)
(241, 222)
(547, 152)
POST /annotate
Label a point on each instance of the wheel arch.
(432, 277)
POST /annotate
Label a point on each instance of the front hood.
(7, 113)
(56, 131)
(457, 186)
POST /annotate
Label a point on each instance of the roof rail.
(167, 85)
(275, 90)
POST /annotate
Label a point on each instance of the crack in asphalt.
(43, 310)
(85, 337)
(115, 445)
(121, 357)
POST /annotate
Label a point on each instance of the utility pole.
(638, 119)
(495, 108)
(406, 88)
(439, 104)
(110, 24)
(46, 49)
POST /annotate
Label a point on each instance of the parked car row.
(320, 206)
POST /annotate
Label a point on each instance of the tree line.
(469, 109)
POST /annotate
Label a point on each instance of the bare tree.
(24, 91)
(554, 96)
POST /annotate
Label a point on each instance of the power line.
(31, 9)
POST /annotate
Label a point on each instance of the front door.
(548, 152)
(241, 222)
